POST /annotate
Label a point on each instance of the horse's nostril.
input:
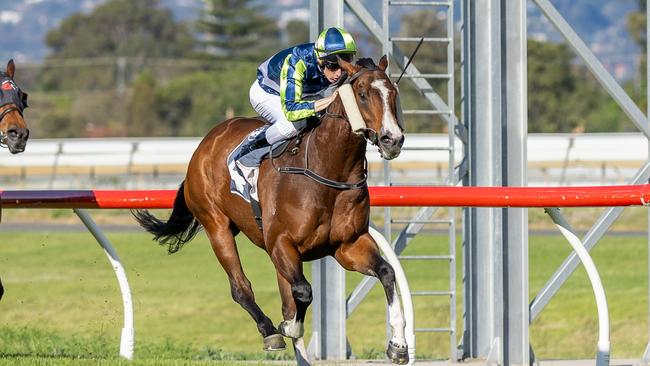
(18, 134)
(386, 140)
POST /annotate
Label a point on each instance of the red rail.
(604, 196)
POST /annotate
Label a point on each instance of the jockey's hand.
(321, 104)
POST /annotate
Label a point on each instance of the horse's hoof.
(397, 354)
(274, 342)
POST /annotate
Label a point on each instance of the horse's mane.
(367, 63)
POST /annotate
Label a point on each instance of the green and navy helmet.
(333, 41)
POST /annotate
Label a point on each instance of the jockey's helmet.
(334, 42)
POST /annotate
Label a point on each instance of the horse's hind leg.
(223, 245)
(363, 256)
(2, 290)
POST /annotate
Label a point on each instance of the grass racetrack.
(62, 304)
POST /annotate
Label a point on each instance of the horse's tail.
(180, 228)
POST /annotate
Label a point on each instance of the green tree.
(118, 28)
(121, 28)
(191, 105)
(297, 32)
(550, 83)
(238, 30)
(563, 96)
(142, 118)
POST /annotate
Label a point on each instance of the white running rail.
(602, 355)
(404, 290)
(127, 340)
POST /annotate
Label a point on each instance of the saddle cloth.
(238, 184)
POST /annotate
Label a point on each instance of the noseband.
(3, 134)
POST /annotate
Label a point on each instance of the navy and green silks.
(295, 76)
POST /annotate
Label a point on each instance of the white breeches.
(269, 106)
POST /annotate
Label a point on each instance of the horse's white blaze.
(396, 319)
(389, 122)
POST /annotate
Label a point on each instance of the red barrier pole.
(603, 196)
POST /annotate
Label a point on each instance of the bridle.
(3, 134)
(368, 133)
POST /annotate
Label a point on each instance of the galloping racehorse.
(13, 130)
(305, 216)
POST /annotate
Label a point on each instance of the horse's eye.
(362, 96)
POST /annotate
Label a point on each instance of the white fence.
(553, 159)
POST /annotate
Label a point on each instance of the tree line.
(128, 68)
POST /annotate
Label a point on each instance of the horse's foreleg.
(293, 285)
(2, 290)
(290, 327)
(223, 245)
(363, 256)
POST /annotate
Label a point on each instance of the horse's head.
(376, 97)
(13, 130)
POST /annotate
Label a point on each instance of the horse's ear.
(383, 63)
(347, 67)
(11, 68)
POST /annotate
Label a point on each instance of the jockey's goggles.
(332, 66)
(331, 61)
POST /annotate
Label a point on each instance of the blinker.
(10, 93)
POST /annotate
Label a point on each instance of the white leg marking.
(389, 122)
(293, 329)
(396, 319)
(301, 352)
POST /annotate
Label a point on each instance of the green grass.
(62, 304)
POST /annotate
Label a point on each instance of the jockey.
(289, 88)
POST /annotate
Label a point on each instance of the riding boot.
(254, 141)
(249, 157)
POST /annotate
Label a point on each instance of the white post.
(602, 356)
(127, 340)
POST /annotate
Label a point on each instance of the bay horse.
(303, 220)
(13, 130)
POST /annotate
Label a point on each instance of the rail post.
(127, 339)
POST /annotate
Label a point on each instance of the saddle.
(290, 146)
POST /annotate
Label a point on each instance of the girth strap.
(257, 213)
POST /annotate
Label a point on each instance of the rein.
(368, 133)
(3, 135)
(319, 178)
